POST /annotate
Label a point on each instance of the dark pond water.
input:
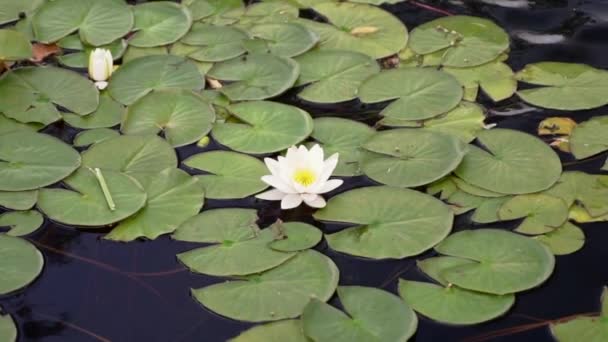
(95, 290)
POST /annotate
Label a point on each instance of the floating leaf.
(540, 213)
(556, 126)
(487, 211)
(373, 315)
(173, 196)
(564, 240)
(206, 8)
(141, 76)
(210, 43)
(584, 328)
(496, 79)
(41, 51)
(218, 226)
(20, 263)
(419, 93)
(411, 157)
(589, 138)
(279, 293)
(333, 76)
(14, 46)
(21, 222)
(509, 163)
(11, 10)
(579, 214)
(93, 136)
(182, 116)
(587, 190)
(255, 76)
(564, 86)
(231, 174)
(264, 127)
(32, 160)
(8, 125)
(87, 205)
(460, 41)
(258, 13)
(108, 114)
(504, 262)
(134, 52)
(8, 330)
(474, 190)
(391, 222)
(159, 23)
(294, 236)
(99, 22)
(18, 200)
(287, 330)
(285, 40)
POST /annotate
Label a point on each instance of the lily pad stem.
(104, 188)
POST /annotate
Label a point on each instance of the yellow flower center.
(304, 177)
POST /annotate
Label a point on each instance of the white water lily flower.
(101, 66)
(301, 176)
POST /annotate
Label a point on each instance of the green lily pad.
(411, 157)
(40, 112)
(474, 190)
(286, 330)
(93, 136)
(14, 46)
(141, 76)
(182, 116)
(448, 303)
(587, 190)
(33, 160)
(337, 135)
(294, 236)
(509, 163)
(8, 330)
(505, 262)
(206, 8)
(584, 328)
(373, 315)
(211, 43)
(487, 211)
(134, 52)
(18, 200)
(419, 93)
(85, 203)
(258, 13)
(496, 79)
(80, 58)
(219, 226)
(23, 88)
(231, 174)
(333, 76)
(8, 125)
(11, 10)
(159, 23)
(173, 196)
(141, 157)
(21, 222)
(285, 40)
(564, 86)
(390, 222)
(20, 263)
(579, 214)
(358, 27)
(589, 138)
(564, 240)
(99, 22)
(108, 114)
(462, 41)
(264, 127)
(279, 293)
(541, 213)
(255, 76)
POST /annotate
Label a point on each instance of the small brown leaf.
(42, 51)
(556, 126)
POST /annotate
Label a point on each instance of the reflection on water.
(95, 290)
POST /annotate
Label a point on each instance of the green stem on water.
(104, 188)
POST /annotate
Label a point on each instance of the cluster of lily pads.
(121, 169)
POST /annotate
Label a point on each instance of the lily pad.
(80, 58)
(496, 79)
(18, 200)
(587, 190)
(85, 204)
(211, 43)
(419, 93)
(93, 136)
(108, 114)
(14, 46)
(8, 330)
(33, 160)
(139, 156)
(11, 10)
(255, 76)
(287, 330)
(8, 125)
(231, 174)
(279, 293)
(487, 211)
(20, 263)
(182, 116)
(584, 328)
(411, 157)
(159, 23)
(264, 127)
(540, 213)
(141, 76)
(373, 315)
(21, 222)
(40, 112)
(219, 226)
(285, 40)
(462, 41)
(173, 196)
(589, 138)
(564, 240)
(134, 52)
(258, 13)
(564, 86)
(337, 135)
(509, 163)
(505, 262)
(206, 8)
(358, 27)
(333, 76)
(294, 236)
(99, 22)
(390, 222)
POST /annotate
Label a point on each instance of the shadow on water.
(96, 290)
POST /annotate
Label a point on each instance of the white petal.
(330, 185)
(271, 195)
(291, 152)
(273, 166)
(277, 183)
(328, 168)
(318, 202)
(291, 201)
(316, 155)
(101, 85)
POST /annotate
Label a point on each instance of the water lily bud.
(101, 66)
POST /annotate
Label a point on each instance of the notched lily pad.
(540, 213)
(564, 240)
(281, 331)
(93, 136)
(21, 222)
(14, 46)
(20, 263)
(159, 23)
(18, 200)
(294, 236)
(8, 330)
(584, 328)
